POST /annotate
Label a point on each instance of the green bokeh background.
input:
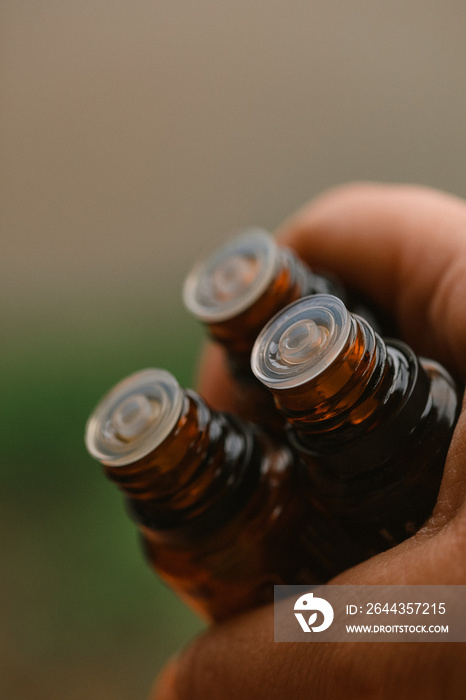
(83, 616)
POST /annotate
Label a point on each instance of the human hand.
(405, 247)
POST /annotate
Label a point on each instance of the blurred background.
(133, 135)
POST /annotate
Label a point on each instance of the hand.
(405, 247)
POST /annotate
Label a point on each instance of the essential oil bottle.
(242, 284)
(238, 288)
(371, 421)
(216, 501)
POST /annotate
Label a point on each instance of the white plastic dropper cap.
(232, 278)
(134, 417)
(299, 342)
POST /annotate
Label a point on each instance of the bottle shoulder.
(444, 394)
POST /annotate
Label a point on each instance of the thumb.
(403, 246)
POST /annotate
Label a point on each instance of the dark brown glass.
(220, 513)
(373, 430)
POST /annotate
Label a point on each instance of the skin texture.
(405, 247)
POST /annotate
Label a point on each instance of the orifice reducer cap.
(134, 417)
(232, 278)
(301, 341)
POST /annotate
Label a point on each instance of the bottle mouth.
(301, 341)
(134, 417)
(232, 278)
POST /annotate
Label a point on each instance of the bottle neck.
(199, 473)
(361, 406)
(291, 281)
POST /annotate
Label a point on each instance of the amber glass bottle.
(372, 421)
(238, 288)
(245, 282)
(216, 501)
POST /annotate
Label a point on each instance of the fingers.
(403, 246)
(240, 660)
(215, 381)
(451, 501)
